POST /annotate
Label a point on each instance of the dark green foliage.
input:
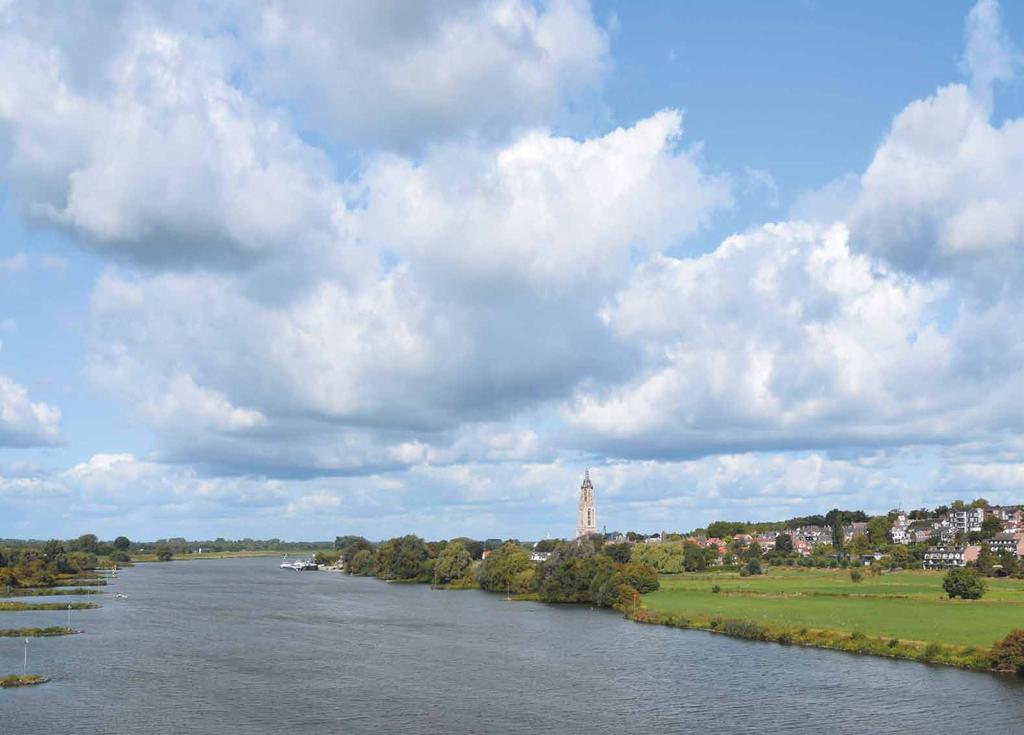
(500, 571)
(721, 529)
(350, 546)
(715, 589)
(617, 552)
(122, 543)
(1008, 654)
(361, 563)
(452, 563)
(694, 559)
(784, 543)
(990, 526)
(744, 629)
(327, 558)
(164, 552)
(475, 548)
(963, 583)
(856, 575)
(753, 566)
(402, 558)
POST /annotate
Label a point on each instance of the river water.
(241, 646)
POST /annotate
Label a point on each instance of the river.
(241, 646)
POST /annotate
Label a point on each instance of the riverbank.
(904, 615)
(48, 591)
(147, 558)
(7, 682)
(36, 632)
(28, 606)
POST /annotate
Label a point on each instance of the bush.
(963, 583)
(716, 589)
(745, 629)
(856, 575)
(933, 651)
(1008, 654)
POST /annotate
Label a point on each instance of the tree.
(784, 543)
(1008, 654)
(350, 547)
(986, 561)
(878, 529)
(754, 566)
(452, 563)
(721, 529)
(474, 547)
(963, 583)
(326, 558)
(979, 503)
(693, 558)
(87, 542)
(618, 552)
(361, 563)
(546, 546)
(122, 543)
(990, 526)
(502, 567)
(856, 575)
(859, 544)
(401, 558)
(164, 552)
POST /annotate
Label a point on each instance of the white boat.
(300, 565)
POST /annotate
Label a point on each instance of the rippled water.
(241, 646)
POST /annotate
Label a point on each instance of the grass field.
(907, 605)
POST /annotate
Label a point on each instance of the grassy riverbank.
(7, 682)
(48, 591)
(27, 606)
(904, 615)
(36, 632)
(220, 555)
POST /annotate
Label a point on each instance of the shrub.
(963, 583)
(933, 651)
(1008, 654)
(856, 575)
(745, 629)
(893, 642)
(785, 638)
(716, 589)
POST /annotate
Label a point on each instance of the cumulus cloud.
(24, 423)
(399, 74)
(783, 339)
(503, 258)
(166, 164)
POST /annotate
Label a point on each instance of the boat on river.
(300, 565)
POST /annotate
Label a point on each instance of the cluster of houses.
(945, 529)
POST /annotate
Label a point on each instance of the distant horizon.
(287, 271)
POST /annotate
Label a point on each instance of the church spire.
(586, 518)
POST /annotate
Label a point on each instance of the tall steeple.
(586, 518)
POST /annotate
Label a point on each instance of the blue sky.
(298, 273)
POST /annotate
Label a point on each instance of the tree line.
(586, 571)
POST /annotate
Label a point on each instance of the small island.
(28, 680)
(36, 632)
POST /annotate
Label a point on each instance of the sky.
(303, 270)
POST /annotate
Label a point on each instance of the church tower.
(586, 519)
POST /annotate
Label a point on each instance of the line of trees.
(584, 571)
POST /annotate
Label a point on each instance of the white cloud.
(400, 74)
(941, 194)
(990, 55)
(24, 423)
(782, 339)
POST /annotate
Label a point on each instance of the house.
(801, 547)
(1008, 541)
(948, 557)
(966, 521)
(765, 541)
(538, 555)
(899, 533)
(1012, 516)
(854, 529)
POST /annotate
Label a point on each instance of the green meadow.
(908, 605)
